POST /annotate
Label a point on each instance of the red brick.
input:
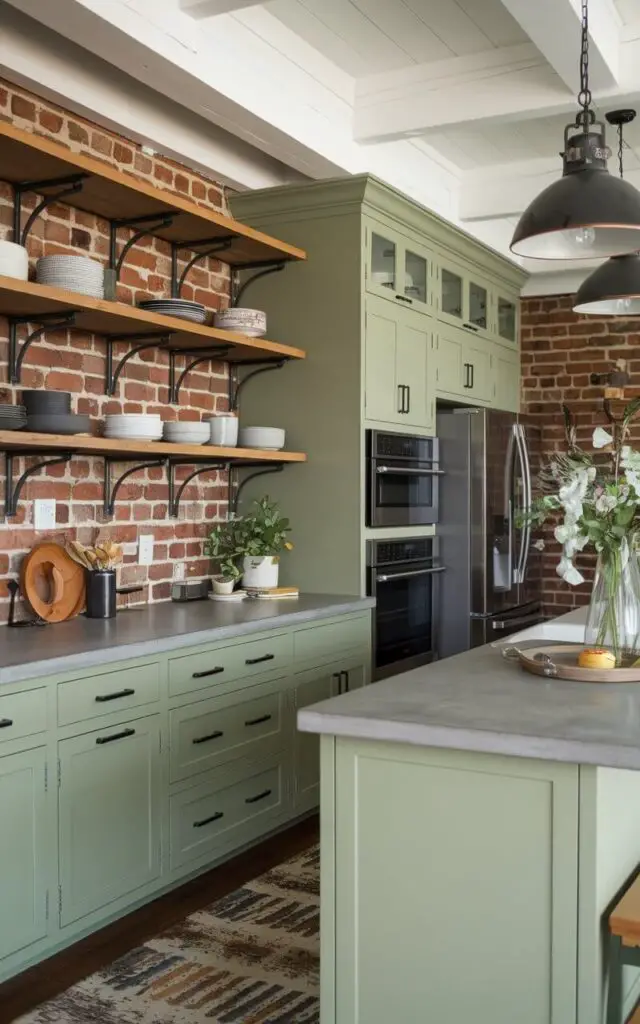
(52, 122)
(22, 107)
(142, 163)
(78, 133)
(162, 173)
(123, 154)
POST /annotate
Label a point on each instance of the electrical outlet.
(179, 571)
(44, 514)
(145, 549)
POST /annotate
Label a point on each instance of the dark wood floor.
(23, 993)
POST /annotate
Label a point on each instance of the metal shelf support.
(175, 496)
(110, 490)
(151, 340)
(175, 382)
(47, 322)
(236, 385)
(214, 246)
(12, 491)
(145, 225)
(66, 186)
(264, 267)
(237, 486)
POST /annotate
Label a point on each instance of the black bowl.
(41, 402)
(66, 423)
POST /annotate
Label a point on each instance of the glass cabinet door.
(451, 293)
(478, 305)
(415, 276)
(384, 262)
(507, 319)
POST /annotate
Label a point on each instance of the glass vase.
(613, 620)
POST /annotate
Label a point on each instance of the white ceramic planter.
(222, 585)
(260, 572)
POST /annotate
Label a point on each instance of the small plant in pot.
(255, 540)
(221, 544)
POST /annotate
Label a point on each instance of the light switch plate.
(145, 549)
(44, 514)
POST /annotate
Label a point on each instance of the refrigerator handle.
(508, 504)
(525, 541)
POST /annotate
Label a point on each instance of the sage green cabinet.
(109, 815)
(398, 387)
(23, 892)
(465, 298)
(397, 268)
(310, 688)
(462, 366)
(506, 380)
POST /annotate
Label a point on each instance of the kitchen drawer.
(321, 644)
(249, 723)
(224, 664)
(22, 714)
(206, 822)
(83, 699)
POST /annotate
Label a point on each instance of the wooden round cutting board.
(560, 661)
(52, 583)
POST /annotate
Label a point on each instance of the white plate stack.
(183, 309)
(187, 432)
(133, 427)
(72, 274)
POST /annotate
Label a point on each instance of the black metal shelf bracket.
(146, 225)
(236, 486)
(214, 246)
(47, 322)
(66, 186)
(264, 366)
(110, 489)
(175, 496)
(175, 382)
(152, 340)
(264, 267)
(12, 491)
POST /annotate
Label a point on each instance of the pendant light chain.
(620, 145)
(584, 96)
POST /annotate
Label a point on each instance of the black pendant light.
(587, 213)
(614, 288)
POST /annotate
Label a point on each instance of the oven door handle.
(409, 469)
(405, 575)
(525, 620)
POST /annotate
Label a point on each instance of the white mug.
(224, 430)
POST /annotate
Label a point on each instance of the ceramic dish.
(272, 438)
(252, 322)
(14, 261)
(560, 661)
(67, 423)
(181, 308)
(41, 402)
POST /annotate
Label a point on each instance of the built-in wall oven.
(402, 479)
(403, 576)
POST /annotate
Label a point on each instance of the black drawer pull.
(5, 723)
(212, 736)
(258, 721)
(405, 298)
(116, 736)
(102, 697)
(207, 821)
(256, 661)
(210, 672)
(260, 796)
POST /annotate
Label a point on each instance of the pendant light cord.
(584, 96)
(620, 146)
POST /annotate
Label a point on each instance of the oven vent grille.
(403, 551)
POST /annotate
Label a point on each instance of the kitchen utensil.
(68, 423)
(560, 661)
(14, 589)
(101, 557)
(52, 583)
(272, 438)
(101, 593)
(14, 261)
(252, 322)
(224, 430)
(40, 402)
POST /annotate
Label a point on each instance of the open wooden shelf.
(115, 195)
(25, 441)
(100, 316)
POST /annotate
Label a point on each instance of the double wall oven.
(402, 479)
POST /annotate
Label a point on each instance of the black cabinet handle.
(258, 721)
(346, 682)
(338, 676)
(5, 723)
(470, 327)
(102, 697)
(260, 796)
(400, 398)
(471, 371)
(212, 736)
(466, 374)
(210, 672)
(404, 298)
(207, 821)
(256, 661)
(408, 409)
(116, 736)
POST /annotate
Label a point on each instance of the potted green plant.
(253, 541)
(222, 544)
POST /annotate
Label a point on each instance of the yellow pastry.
(596, 657)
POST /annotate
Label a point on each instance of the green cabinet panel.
(23, 895)
(398, 389)
(465, 298)
(311, 688)
(109, 815)
(463, 367)
(506, 380)
(456, 887)
(397, 268)
(220, 664)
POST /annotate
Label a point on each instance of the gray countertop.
(34, 651)
(478, 701)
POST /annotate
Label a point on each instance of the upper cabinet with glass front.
(396, 267)
(464, 298)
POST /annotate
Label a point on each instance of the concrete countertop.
(479, 701)
(33, 651)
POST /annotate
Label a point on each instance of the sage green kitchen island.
(476, 824)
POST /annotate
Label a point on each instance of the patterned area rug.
(249, 958)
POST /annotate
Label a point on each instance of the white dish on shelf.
(271, 438)
(252, 322)
(14, 261)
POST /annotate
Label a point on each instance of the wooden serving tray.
(559, 661)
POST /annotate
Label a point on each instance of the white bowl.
(262, 437)
(133, 417)
(14, 261)
(252, 322)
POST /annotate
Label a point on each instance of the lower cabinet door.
(354, 676)
(23, 895)
(312, 687)
(109, 821)
(506, 381)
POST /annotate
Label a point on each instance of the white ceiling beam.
(554, 26)
(211, 8)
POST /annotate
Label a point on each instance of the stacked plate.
(183, 309)
(185, 432)
(133, 427)
(252, 322)
(14, 417)
(72, 274)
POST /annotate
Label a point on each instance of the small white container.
(260, 573)
(222, 585)
(14, 261)
(271, 438)
(224, 430)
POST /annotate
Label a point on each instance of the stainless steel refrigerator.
(491, 585)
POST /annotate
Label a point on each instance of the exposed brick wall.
(73, 361)
(560, 350)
